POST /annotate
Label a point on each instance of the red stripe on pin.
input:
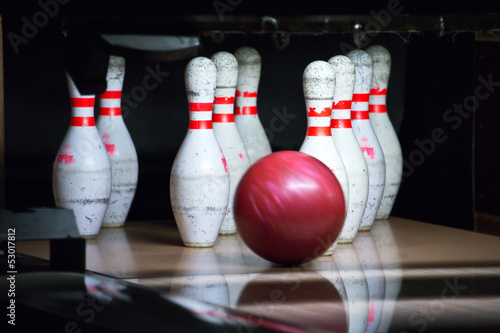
(342, 105)
(360, 115)
(200, 107)
(245, 111)
(223, 118)
(110, 111)
(82, 102)
(325, 112)
(360, 97)
(112, 94)
(82, 121)
(319, 131)
(200, 124)
(340, 123)
(246, 93)
(377, 108)
(224, 100)
(378, 91)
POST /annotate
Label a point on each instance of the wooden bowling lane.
(401, 274)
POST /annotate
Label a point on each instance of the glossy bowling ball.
(289, 207)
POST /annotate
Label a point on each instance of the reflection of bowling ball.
(303, 298)
(289, 207)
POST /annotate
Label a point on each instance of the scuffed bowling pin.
(226, 132)
(384, 129)
(367, 139)
(348, 147)
(119, 145)
(81, 176)
(246, 116)
(199, 179)
(318, 83)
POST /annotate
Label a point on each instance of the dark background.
(430, 72)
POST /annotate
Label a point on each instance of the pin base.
(89, 236)
(346, 241)
(327, 253)
(364, 228)
(199, 244)
(227, 232)
(112, 225)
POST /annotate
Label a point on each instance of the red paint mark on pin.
(110, 148)
(223, 160)
(66, 158)
(368, 151)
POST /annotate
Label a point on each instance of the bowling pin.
(119, 145)
(226, 132)
(348, 147)
(383, 128)
(199, 179)
(81, 175)
(246, 116)
(367, 139)
(318, 82)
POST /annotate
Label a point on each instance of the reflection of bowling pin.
(211, 287)
(347, 262)
(348, 147)
(388, 252)
(246, 116)
(199, 180)
(370, 261)
(318, 82)
(383, 128)
(118, 143)
(366, 136)
(225, 130)
(81, 176)
(116, 257)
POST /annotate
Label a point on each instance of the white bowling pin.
(348, 147)
(384, 129)
(226, 132)
(199, 179)
(81, 176)
(318, 82)
(246, 116)
(119, 145)
(367, 139)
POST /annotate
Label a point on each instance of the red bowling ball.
(289, 207)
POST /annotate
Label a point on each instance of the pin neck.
(200, 115)
(82, 111)
(246, 103)
(110, 103)
(378, 100)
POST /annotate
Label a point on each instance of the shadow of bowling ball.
(304, 298)
(289, 207)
